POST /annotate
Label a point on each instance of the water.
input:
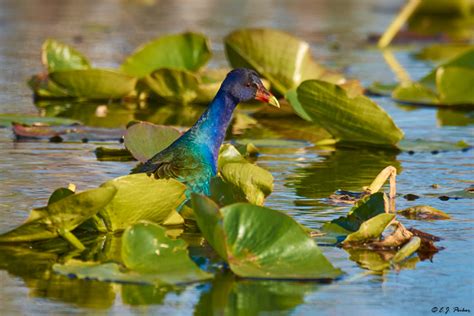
(106, 31)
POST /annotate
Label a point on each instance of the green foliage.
(258, 242)
(140, 197)
(57, 56)
(187, 51)
(349, 120)
(284, 60)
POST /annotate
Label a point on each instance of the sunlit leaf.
(57, 56)
(350, 120)
(43, 86)
(59, 194)
(253, 181)
(284, 60)
(94, 83)
(173, 85)
(144, 140)
(261, 243)
(140, 197)
(442, 52)
(186, 51)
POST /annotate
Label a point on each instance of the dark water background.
(107, 31)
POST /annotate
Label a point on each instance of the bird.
(192, 158)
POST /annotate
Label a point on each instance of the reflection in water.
(228, 295)
(447, 117)
(119, 114)
(341, 169)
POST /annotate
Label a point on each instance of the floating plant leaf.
(349, 120)
(60, 217)
(7, 119)
(144, 140)
(381, 88)
(370, 229)
(210, 81)
(94, 83)
(186, 51)
(425, 212)
(57, 56)
(140, 197)
(173, 85)
(146, 249)
(284, 60)
(258, 242)
(415, 93)
(253, 181)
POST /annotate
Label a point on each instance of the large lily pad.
(60, 217)
(455, 85)
(94, 83)
(284, 60)
(253, 181)
(173, 85)
(349, 120)
(144, 140)
(258, 242)
(140, 197)
(187, 51)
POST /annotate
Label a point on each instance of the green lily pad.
(292, 97)
(254, 182)
(7, 119)
(349, 120)
(57, 56)
(147, 249)
(140, 197)
(144, 140)
(186, 51)
(415, 93)
(61, 217)
(455, 85)
(284, 60)
(422, 145)
(94, 83)
(423, 212)
(258, 242)
(173, 85)
(370, 229)
(363, 210)
(381, 88)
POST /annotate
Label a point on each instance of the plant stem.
(398, 22)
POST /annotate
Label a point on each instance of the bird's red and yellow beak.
(265, 96)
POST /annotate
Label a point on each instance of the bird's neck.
(211, 127)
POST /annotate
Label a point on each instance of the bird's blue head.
(245, 85)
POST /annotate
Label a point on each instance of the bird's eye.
(248, 84)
